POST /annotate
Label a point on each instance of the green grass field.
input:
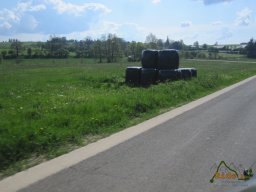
(48, 107)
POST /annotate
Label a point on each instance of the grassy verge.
(48, 108)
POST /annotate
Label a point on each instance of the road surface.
(180, 155)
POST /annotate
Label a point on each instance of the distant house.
(219, 46)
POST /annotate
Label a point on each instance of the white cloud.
(128, 31)
(156, 1)
(95, 30)
(217, 23)
(37, 8)
(186, 24)
(9, 15)
(14, 15)
(209, 2)
(6, 25)
(18, 18)
(244, 17)
(225, 34)
(28, 23)
(63, 7)
(29, 7)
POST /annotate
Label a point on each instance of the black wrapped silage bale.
(185, 73)
(168, 59)
(193, 72)
(148, 76)
(165, 75)
(149, 58)
(179, 74)
(133, 75)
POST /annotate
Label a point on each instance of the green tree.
(98, 50)
(196, 44)
(151, 41)
(167, 43)
(205, 46)
(160, 44)
(57, 47)
(112, 46)
(1, 58)
(4, 53)
(84, 48)
(139, 48)
(16, 45)
(179, 45)
(80, 49)
(132, 50)
(29, 52)
(251, 49)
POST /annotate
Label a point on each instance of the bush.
(201, 55)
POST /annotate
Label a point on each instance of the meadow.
(49, 107)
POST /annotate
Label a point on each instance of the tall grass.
(45, 105)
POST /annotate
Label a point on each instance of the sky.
(205, 21)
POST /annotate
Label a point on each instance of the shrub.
(201, 55)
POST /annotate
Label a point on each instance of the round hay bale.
(148, 76)
(149, 58)
(133, 75)
(185, 73)
(167, 75)
(168, 59)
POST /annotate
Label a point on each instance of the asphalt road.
(180, 155)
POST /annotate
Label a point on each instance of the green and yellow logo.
(231, 172)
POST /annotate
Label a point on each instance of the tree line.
(109, 48)
(251, 49)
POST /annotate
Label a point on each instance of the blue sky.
(206, 21)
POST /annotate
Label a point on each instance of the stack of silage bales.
(157, 66)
